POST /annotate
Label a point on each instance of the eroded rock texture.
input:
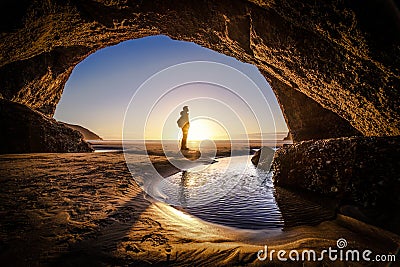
(334, 54)
(361, 173)
(263, 158)
(308, 119)
(26, 130)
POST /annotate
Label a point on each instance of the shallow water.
(230, 192)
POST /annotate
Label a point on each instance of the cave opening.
(98, 91)
(331, 65)
(224, 96)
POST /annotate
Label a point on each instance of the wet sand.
(86, 209)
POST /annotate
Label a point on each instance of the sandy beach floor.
(87, 210)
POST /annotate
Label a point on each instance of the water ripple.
(244, 195)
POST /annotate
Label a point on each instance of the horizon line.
(232, 139)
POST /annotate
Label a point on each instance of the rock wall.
(306, 118)
(24, 130)
(361, 173)
(333, 52)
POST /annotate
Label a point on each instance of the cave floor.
(85, 209)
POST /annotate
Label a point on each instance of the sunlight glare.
(200, 130)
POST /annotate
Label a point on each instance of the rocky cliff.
(25, 130)
(86, 133)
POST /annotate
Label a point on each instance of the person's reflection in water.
(183, 190)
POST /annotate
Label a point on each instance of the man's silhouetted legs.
(185, 130)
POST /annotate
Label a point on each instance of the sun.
(200, 129)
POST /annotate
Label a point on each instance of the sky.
(136, 90)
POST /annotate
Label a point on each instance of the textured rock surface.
(308, 119)
(361, 173)
(263, 158)
(288, 137)
(334, 53)
(26, 130)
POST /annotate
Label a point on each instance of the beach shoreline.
(66, 209)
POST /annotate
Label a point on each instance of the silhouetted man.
(183, 123)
